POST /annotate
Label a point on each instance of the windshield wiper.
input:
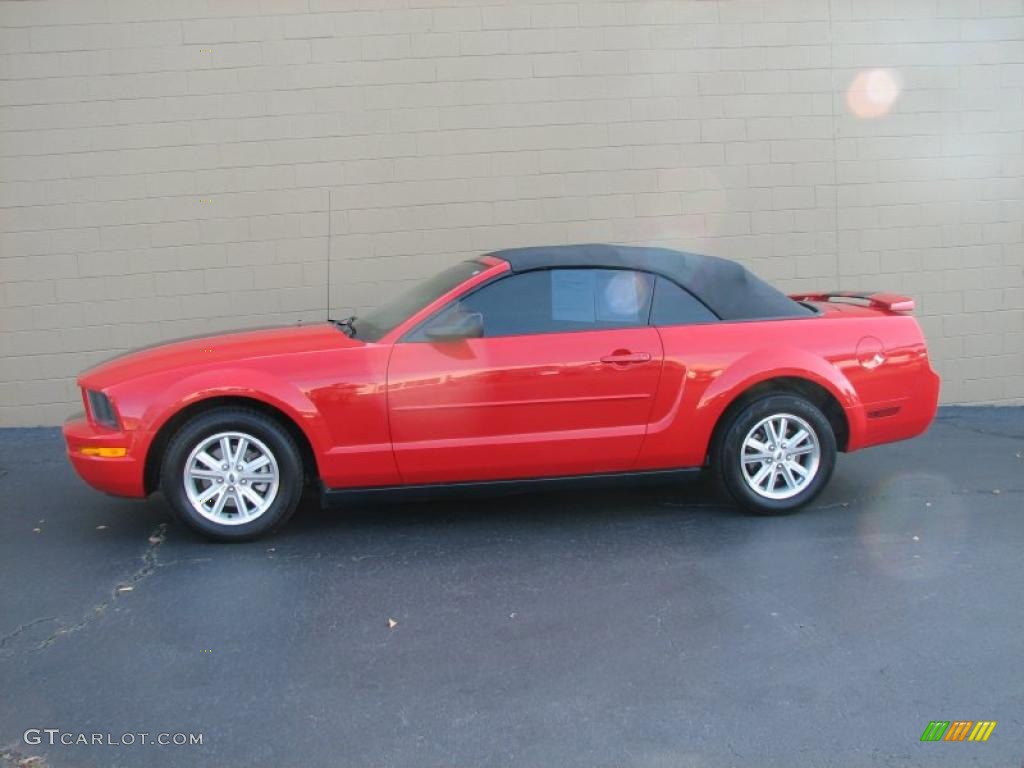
(347, 325)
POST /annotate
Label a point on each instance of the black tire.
(234, 420)
(727, 451)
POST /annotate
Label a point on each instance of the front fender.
(151, 413)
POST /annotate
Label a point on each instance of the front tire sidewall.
(729, 466)
(277, 440)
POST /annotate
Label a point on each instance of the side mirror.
(460, 325)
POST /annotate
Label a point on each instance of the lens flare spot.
(872, 94)
(905, 535)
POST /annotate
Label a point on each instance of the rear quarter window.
(674, 306)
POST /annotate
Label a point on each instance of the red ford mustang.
(548, 365)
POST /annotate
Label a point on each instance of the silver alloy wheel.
(231, 478)
(780, 456)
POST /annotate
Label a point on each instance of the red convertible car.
(550, 366)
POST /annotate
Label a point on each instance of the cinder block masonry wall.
(166, 167)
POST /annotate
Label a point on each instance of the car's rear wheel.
(775, 455)
(232, 474)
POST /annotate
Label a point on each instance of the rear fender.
(763, 366)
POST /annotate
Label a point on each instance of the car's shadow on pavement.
(691, 499)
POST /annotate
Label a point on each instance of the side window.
(674, 306)
(559, 301)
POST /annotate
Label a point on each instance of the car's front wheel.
(232, 474)
(775, 455)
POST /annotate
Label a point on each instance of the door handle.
(625, 358)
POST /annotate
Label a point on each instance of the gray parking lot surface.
(654, 627)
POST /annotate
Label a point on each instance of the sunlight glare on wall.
(873, 93)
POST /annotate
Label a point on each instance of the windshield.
(375, 324)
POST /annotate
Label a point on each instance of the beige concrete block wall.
(167, 167)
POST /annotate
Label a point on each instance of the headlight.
(101, 409)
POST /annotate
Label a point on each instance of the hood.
(218, 349)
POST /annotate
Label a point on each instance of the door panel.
(522, 406)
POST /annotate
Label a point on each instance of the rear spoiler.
(891, 302)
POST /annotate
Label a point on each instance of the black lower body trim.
(430, 491)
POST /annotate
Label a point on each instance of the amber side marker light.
(104, 452)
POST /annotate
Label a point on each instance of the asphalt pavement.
(648, 627)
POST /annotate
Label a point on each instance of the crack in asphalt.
(148, 567)
(149, 561)
(21, 628)
(12, 758)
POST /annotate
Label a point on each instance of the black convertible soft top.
(727, 288)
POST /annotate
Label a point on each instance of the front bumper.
(120, 476)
